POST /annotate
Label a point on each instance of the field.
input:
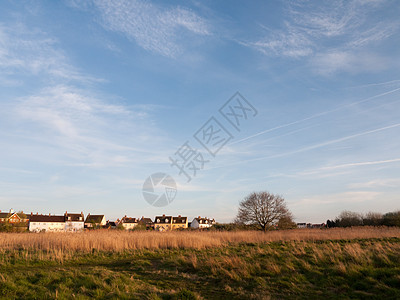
(311, 263)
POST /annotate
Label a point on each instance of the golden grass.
(113, 240)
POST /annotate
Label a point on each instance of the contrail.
(316, 145)
(365, 163)
(314, 116)
(375, 84)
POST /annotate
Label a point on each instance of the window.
(166, 220)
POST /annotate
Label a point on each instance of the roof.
(74, 217)
(94, 218)
(163, 219)
(129, 220)
(4, 215)
(145, 221)
(111, 223)
(22, 215)
(201, 220)
(179, 220)
(47, 218)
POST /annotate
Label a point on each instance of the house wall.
(162, 227)
(194, 224)
(47, 226)
(177, 226)
(14, 219)
(129, 226)
(74, 225)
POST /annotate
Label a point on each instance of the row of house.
(310, 225)
(72, 222)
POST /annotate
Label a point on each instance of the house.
(301, 225)
(93, 221)
(163, 223)
(13, 217)
(74, 222)
(321, 225)
(146, 222)
(48, 223)
(4, 217)
(202, 223)
(179, 222)
(129, 223)
(111, 225)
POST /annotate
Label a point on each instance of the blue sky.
(97, 95)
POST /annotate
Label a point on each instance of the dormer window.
(80, 218)
(158, 220)
(166, 220)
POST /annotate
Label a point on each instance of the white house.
(301, 225)
(202, 223)
(129, 223)
(49, 223)
(74, 222)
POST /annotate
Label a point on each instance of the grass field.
(309, 264)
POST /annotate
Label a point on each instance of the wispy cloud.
(87, 130)
(156, 29)
(32, 52)
(333, 36)
(347, 198)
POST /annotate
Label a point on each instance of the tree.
(286, 222)
(373, 219)
(348, 219)
(330, 223)
(262, 209)
(392, 219)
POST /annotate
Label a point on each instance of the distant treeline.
(349, 218)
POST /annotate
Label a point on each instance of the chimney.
(199, 217)
(179, 216)
(163, 215)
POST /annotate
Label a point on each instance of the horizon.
(99, 96)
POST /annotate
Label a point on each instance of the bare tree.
(264, 209)
(348, 219)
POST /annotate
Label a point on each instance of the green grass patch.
(368, 268)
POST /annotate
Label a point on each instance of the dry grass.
(122, 240)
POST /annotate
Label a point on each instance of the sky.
(96, 96)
